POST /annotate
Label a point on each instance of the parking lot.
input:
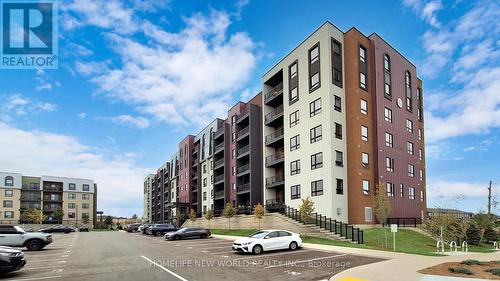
(132, 256)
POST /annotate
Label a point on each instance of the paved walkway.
(397, 267)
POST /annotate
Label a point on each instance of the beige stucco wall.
(79, 201)
(16, 204)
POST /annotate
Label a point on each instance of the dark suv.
(161, 229)
(188, 232)
(133, 227)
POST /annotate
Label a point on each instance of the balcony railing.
(274, 135)
(219, 132)
(243, 132)
(219, 194)
(218, 162)
(277, 157)
(219, 147)
(276, 91)
(243, 187)
(278, 111)
(243, 169)
(243, 150)
(195, 162)
(219, 178)
(243, 114)
(271, 181)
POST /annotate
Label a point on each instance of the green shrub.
(473, 235)
(460, 270)
(494, 271)
(471, 262)
(490, 235)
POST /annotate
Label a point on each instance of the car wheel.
(34, 245)
(158, 233)
(293, 246)
(203, 236)
(176, 237)
(257, 249)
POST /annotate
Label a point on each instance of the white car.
(268, 240)
(15, 236)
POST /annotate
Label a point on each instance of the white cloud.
(468, 196)
(21, 105)
(426, 9)
(43, 153)
(82, 115)
(137, 122)
(150, 5)
(180, 78)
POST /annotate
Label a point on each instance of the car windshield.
(259, 234)
(19, 229)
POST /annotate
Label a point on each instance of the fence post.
(330, 225)
(352, 233)
(316, 219)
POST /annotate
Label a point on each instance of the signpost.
(394, 229)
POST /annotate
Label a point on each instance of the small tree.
(306, 209)
(209, 215)
(192, 216)
(483, 221)
(58, 215)
(179, 216)
(381, 207)
(108, 221)
(134, 217)
(33, 216)
(473, 235)
(490, 235)
(258, 212)
(229, 212)
(85, 218)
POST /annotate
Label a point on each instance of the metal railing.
(404, 222)
(243, 187)
(276, 91)
(242, 132)
(243, 168)
(219, 178)
(274, 113)
(218, 162)
(219, 194)
(274, 135)
(275, 157)
(243, 150)
(274, 180)
(219, 146)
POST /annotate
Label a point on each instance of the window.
(316, 160)
(233, 153)
(71, 215)
(85, 206)
(71, 205)
(401, 190)
(212, 193)
(212, 179)
(204, 168)
(409, 147)
(233, 120)
(390, 189)
(9, 193)
(9, 181)
(233, 136)
(339, 158)
(366, 187)
(72, 186)
(295, 191)
(420, 115)
(205, 182)
(293, 82)
(338, 131)
(421, 174)
(411, 194)
(340, 186)
(314, 68)
(421, 196)
(337, 62)
(409, 126)
(295, 167)
(364, 107)
(409, 98)
(338, 104)
(317, 188)
(85, 196)
(389, 163)
(389, 139)
(234, 170)
(368, 214)
(388, 115)
(8, 214)
(315, 107)
(7, 203)
(411, 170)
(387, 76)
(419, 134)
(294, 142)
(364, 133)
(294, 118)
(204, 195)
(86, 187)
(362, 68)
(71, 195)
(364, 159)
(316, 134)
(420, 154)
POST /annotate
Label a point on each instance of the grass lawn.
(407, 241)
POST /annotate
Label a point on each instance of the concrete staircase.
(313, 230)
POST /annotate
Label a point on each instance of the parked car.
(11, 259)
(133, 227)
(188, 232)
(268, 240)
(58, 229)
(144, 229)
(15, 236)
(83, 229)
(161, 229)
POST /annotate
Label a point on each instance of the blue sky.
(136, 76)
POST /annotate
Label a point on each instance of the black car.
(133, 227)
(144, 230)
(58, 229)
(11, 259)
(188, 232)
(161, 229)
(83, 229)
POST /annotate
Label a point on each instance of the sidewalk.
(397, 267)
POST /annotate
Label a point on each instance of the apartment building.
(147, 197)
(75, 197)
(304, 126)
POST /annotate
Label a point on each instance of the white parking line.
(303, 261)
(272, 255)
(165, 269)
(213, 248)
(37, 278)
(42, 267)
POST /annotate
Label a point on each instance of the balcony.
(219, 163)
(218, 179)
(243, 115)
(243, 188)
(243, 170)
(274, 138)
(273, 96)
(242, 133)
(219, 147)
(219, 195)
(275, 116)
(275, 181)
(243, 151)
(275, 159)
(34, 199)
(195, 162)
(219, 133)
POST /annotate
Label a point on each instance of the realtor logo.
(29, 34)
